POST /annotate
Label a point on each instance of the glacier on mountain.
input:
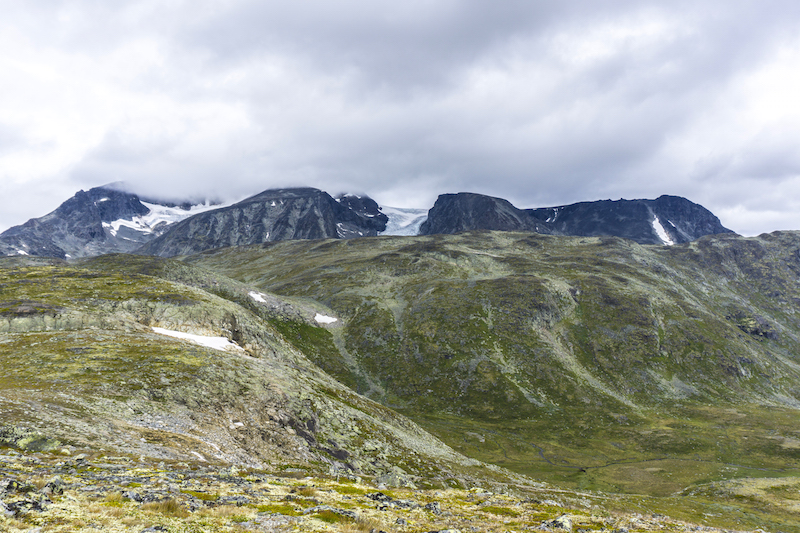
(159, 216)
(403, 221)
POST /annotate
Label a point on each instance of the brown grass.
(308, 492)
(115, 512)
(38, 481)
(225, 511)
(114, 499)
(365, 525)
(170, 507)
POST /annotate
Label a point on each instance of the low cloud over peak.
(543, 104)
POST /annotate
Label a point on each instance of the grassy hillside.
(634, 379)
(594, 363)
(82, 366)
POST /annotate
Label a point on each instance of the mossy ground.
(593, 364)
(97, 495)
(93, 371)
(590, 362)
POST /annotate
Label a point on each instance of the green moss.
(500, 511)
(202, 495)
(280, 508)
(329, 517)
(317, 344)
(349, 490)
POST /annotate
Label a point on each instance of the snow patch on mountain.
(323, 319)
(217, 343)
(403, 221)
(662, 233)
(257, 296)
(158, 217)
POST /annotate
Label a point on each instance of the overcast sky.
(541, 102)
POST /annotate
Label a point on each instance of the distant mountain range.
(111, 219)
(665, 220)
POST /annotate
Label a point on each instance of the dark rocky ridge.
(75, 228)
(682, 220)
(273, 215)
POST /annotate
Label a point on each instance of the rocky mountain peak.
(111, 219)
(454, 213)
(272, 215)
(75, 228)
(665, 220)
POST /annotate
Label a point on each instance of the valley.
(631, 379)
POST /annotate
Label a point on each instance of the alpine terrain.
(98, 221)
(112, 219)
(665, 220)
(282, 364)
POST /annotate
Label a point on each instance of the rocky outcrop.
(361, 213)
(454, 213)
(273, 215)
(665, 220)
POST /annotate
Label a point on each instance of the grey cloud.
(407, 100)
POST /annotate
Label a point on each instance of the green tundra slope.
(666, 375)
(594, 363)
(82, 366)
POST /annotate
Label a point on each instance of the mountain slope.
(273, 215)
(593, 362)
(111, 219)
(665, 220)
(588, 361)
(101, 220)
(136, 355)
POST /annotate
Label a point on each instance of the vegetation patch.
(500, 511)
(204, 496)
(168, 507)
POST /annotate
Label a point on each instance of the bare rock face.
(75, 228)
(454, 213)
(110, 219)
(104, 220)
(273, 215)
(665, 220)
(362, 216)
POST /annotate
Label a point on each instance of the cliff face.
(454, 213)
(75, 228)
(665, 220)
(274, 215)
(109, 220)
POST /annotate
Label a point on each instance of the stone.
(132, 495)
(341, 512)
(5, 511)
(54, 486)
(562, 522)
(395, 477)
(433, 507)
